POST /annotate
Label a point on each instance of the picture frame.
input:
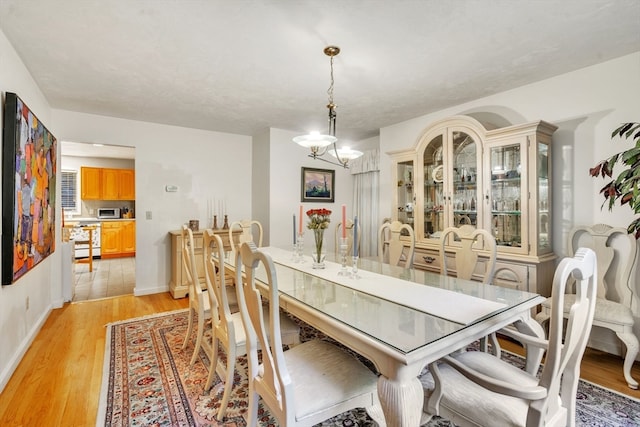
(317, 185)
(29, 174)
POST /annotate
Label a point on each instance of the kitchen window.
(70, 192)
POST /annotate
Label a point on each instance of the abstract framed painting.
(29, 172)
(318, 185)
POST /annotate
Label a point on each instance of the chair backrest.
(394, 250)
(610, 244)
(561, 370)
(272, 382)
(338, 235)
(215, 275)
(189, 262)
(466, 243)
(247, 227)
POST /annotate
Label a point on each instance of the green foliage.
(626, 186)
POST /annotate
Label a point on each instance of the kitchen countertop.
(93, 220)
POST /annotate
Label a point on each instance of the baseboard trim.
(22, 349)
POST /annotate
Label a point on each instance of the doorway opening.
(108, 170)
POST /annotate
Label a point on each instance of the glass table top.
(399, 326)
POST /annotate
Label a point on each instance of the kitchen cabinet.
(118, 239)
(178, 285)
(107, 184)
(90, 183)
(499, 180)
(118, 184)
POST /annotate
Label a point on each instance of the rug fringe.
(148, 316)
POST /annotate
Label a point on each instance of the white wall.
(287, 160)
(41, 285)
(205, 166)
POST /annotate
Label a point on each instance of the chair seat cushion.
(325, 375)
(490, 409)
(289, 330)
(606, 311)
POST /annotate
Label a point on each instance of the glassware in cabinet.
(506, 194)
(405, 196)
(433, 195)
(465, 179)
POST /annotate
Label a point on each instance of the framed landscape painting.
(29, 172)
(318, 185)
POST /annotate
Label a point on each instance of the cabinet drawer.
(426, 259)
(514, 276)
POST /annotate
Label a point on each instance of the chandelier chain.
(330, 90)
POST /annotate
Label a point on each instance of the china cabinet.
(460, 173)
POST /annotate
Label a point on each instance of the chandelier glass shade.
(320, 144)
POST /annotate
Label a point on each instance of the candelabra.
(300, 248)
(354, 268)
(344, 271)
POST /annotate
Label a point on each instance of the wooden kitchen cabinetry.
(118, 239)
(90, 183)
(499, 180)
(107, 184)
(178, 285)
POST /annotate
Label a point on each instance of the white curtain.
(366, 173)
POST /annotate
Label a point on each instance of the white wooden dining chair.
(349, 233)
(616, 251)
(395, 248)
(474, 388)
(199, 303)
(311, 382)
(227, 329)
(466, 244)
(250, 231)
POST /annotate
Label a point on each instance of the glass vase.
(318, 254)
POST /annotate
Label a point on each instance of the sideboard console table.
(179, 286)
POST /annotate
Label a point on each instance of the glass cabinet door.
(506, 195)
(406, 199)
(543, 198)
(434, 174)
(465, 180)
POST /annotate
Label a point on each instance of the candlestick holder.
(215, 222)
(344, 271)
(225, 226)
(354, 268)
(300, 248)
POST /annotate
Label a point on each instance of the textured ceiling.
(243, 66)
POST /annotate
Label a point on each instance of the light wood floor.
(58, 381)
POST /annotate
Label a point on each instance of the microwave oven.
(108, 213)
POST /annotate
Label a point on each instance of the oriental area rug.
(147, 381)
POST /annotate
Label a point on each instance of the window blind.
(70, 191)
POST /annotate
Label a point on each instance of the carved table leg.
(401, 401)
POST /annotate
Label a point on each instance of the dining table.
(400, 319)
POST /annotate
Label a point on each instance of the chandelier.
(322, 144)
